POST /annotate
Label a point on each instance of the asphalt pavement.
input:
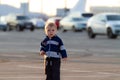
(88, 59)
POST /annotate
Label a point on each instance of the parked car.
(104, 24)
(79, 14)
(73, 23)
(3, 26)
(56, 20)
(38, 23)
(19, 22)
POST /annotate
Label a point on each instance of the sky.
(50, 6)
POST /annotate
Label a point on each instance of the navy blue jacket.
(53, 47)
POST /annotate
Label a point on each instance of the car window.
(22, 18)
(79, 19)
(113, 17)
(100, 18)
(87, 15)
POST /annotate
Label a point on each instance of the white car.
(104, 24)
(38, 22)
(73, 23)
(3, 24)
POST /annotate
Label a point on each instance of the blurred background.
(53, 7)
(39, 11)
(22, 29)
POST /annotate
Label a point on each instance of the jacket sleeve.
(62, 50)
(42, 46)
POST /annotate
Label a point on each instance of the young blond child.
(52, 48)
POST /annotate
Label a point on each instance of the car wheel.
(19, 28)
(73, 29)
(110, 34)
(32, 28)
(5, 29)
(9, 27)
(62, 29)
(90, 33)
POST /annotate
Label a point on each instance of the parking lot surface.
(88, 59)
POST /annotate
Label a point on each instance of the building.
(24, 9)
(79, 8)
(101, 9)
(61, 12)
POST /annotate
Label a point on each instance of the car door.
(95, 24)
(67, 23)
(100, 24)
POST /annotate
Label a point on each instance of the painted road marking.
(99, 73)
(27, 66)
(42, 77)
(7, 55)
(96, 72)
(22, 77)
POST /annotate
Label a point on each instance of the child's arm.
(42, 49)
(63, 51)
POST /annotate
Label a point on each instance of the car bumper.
(117, 32)
(3, 26)
(81, 27)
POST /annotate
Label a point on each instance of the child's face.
(51, 31)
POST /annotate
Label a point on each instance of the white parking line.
(94, 50)
(98, 72)
(7, 55)
(22, 77)
(42, 77)
(90, 76)
(27, 66)
(95, 73)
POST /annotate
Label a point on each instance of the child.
(53, 50)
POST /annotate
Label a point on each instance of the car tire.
(62, 29)
(110, 34)
(19, 28)
(90, 33)
(5, 29)
(73, 29)
(32, 28)
(9, 27)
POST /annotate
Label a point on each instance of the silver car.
(73, 23)
(3, 26)
(104, 24)
(38, 23)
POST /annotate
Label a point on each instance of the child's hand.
(42, 53)
(64, 59)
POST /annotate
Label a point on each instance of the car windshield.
(78, 19)
(113, 17)
(22, 18)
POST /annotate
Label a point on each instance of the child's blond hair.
(50, 24)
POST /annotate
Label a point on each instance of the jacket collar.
(52, 37)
